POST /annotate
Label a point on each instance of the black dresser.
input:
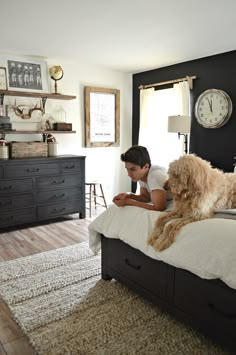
(37, 189)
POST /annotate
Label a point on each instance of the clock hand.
(210, 103)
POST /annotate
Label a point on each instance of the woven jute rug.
(63, 307)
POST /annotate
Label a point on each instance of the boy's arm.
(158, 199)
(144, 195)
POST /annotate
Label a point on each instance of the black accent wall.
(215, 72)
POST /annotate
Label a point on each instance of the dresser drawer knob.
(136, 267)
(58, 182)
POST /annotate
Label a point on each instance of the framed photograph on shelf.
(3, 78)
(26, 74)
(102, 117)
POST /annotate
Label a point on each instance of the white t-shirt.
(157, 176)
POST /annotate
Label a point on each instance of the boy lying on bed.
(151, 179)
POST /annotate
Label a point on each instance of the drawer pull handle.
(136, 267)
(70, 167)
(35, 170)
(58, 210)
(58, 182)
(59, 196)
(221, 312)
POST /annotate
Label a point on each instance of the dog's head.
(188, 176)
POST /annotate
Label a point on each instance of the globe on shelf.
(56, 73)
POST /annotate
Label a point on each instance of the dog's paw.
(159, 227)
(155, 234)
(151, 239)
(162, 243)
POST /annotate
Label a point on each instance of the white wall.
(101, 163)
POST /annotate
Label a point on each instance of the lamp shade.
(179, 124)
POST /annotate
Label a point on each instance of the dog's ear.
(177, 181)
(197, 172)
(189, 174)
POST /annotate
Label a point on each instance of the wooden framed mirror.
(102, 117)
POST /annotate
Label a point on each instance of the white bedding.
(206, 248)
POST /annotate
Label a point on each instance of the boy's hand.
(121, 199)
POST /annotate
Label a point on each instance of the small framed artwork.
(102, 117)
(25, 74)
(3, 78)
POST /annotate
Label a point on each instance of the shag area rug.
(63, 307)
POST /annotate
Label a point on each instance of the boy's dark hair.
(137, 155)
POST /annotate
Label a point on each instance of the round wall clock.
(213, 108)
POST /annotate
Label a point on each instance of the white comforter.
(206, 248)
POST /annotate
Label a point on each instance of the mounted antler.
(36, 108)
(25, 112)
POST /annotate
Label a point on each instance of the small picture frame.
(3, 78)
(26, 74)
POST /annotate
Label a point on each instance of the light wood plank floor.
(27, 241)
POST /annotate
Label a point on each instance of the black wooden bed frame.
(207, 305)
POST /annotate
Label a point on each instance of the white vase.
(52, 149)
(4, 152)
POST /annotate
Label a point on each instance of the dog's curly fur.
(198, 190)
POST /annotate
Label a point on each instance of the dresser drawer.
(14, 186)
(71, 166)
(16, 201)
(58, 182)
(32, 169)
(53, 196)
(21, 216)
(59, 209)
(206, 303)
(135, 266)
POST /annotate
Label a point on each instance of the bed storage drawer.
(133, 265)
(218, 309)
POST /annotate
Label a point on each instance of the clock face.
(213, 108)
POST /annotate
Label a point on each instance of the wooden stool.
(95, 196)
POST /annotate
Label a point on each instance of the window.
(155, 107)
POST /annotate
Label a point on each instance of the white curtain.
(181, 94)
(155, 107)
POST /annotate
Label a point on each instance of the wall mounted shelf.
(44, 133)
(35, 132)
(43, 95)
(36, 94)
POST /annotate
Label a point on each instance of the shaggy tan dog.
(198, 190)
